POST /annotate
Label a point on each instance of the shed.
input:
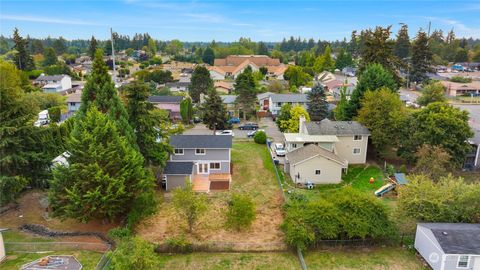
(400, 178)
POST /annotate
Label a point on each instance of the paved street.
(411, 95)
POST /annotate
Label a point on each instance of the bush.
(55, 114)
(117, 234)
(143, 206)
(241, 212)
(179, 244)
(260, 137)
(460, 79)
(133, 253)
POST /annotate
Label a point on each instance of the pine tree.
(402, 44)
(317, 105)
(92, 48)
(49, 57)
(342, 105)
(245, 88)
(421, 58)
(22, 58)
(105, 173)
(208, 56)
(148, 128)
(344, 59)
(200, 83)
(214, 112)
(100, 92)
(59, 46)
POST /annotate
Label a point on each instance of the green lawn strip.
(19, 236)
(15, 260)
(214, 261)
(385, 258)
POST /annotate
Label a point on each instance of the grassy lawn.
(253, 174)
(220, 261)
(368, 259)
(88, 259)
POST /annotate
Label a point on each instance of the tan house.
(223, 87)
(233, 65)
(314, 164)
(455, 89)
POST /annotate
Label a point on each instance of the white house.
(449, 246)
(54, 83)
(277, 100)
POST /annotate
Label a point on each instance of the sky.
(230, 20)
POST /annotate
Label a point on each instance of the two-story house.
(54, 83)
(169, 103)
(204, 160)
(277, 100)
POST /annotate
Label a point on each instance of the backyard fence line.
(301, 259)
(219, 246)
(104, 261)
(361, 242)
(39, 247)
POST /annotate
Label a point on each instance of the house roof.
(177, 84)
(75, 97)
(223, 84)
(228, 99)
(456, 238)
(339, 128)
(461, 86)
(309, 151)
(264, 95)
(400, 178)
(178, 167)
(300, 137)
(50, 77)
(165, 99)
(201, 141)
(52, 85)
(289, 98)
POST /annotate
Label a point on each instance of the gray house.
(204, 160)
(449, 246)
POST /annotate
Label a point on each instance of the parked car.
(251, 134)
(248, 126)
(43, 119)
(197, 120)
(279, 150)
(234, 120)
(225, 132)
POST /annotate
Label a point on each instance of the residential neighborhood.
(239, 135)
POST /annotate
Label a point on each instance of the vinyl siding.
(224, 167)
(451, 262)
(331, 171)
(174, 181)
(427, 245)
(210, 154)
(344, 149)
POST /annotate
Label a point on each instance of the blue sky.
(229, 20)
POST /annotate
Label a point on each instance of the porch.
(211, 182)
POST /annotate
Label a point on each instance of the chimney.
(301, 125)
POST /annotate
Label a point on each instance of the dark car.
(248, 126)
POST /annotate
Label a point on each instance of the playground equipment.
(398, 179)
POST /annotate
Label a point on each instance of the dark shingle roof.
(309, 151)
(165, 99)
(456, 238)
(177, 84)
(338, 128)
(50, 77)
(289, 98)
(178, 168)
(201, 141)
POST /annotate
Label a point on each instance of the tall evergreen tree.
(100, 92)
(22, 58)
(402, 44)
(208, 56)
(317, 105)
(152, 140)
(92, 47)
(344, 59)
(49, 57)
(374, 77)
(245, 89)
(105, 173)
(37, 46)
(200, 83)
(213, 111)
(421, 58)
(60, 46)
(262, 48)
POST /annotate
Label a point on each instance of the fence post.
(301, 259)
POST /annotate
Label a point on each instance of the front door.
(202, 168)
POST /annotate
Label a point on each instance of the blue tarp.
(400, 178)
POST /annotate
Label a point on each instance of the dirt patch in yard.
(253, 174)
(31, 210)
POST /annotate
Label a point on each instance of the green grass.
(19, 236)
(15, 260)
(220, 261)
(371, 259)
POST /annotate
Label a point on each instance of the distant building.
(233, 65)
(223, 87)
(178, 86)
(168, 103)
(277, 100)
(54, 83)
(73, 101)
(455, 89)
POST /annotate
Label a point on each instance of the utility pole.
(113, 58)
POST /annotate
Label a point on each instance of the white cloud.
(27, 18)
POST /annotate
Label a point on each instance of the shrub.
(260, 137)
(55, 113)
(119, 233)
(143, 206)
(241, 212)
(179, 244)
(133, 253)
(460, 79)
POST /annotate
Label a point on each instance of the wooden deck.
(214, 181)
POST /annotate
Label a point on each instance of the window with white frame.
(318, 172)
(178, 151)
(215, 166)
(356, 151)
(357, 137)
(463, 261)
(200, 151)
(294, 145)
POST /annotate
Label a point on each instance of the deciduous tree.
(433, 92)
(292, 124)
(241, 212)
(432, 161)
(189, 204)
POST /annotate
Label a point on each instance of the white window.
(356, 151)
(279, 104)
(463, 261)
(178, 151)
(215, 166)
(318, 172)
(357, 137)
(200, 151)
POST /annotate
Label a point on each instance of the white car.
(279, 150)
(225, 132)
